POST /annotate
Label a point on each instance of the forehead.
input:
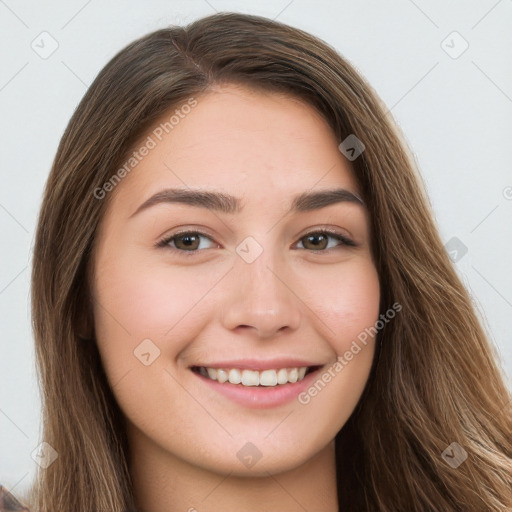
(261, 146)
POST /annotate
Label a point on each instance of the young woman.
(241, 300)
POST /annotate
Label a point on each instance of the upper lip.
(260, 365)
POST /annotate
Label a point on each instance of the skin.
(292, 300)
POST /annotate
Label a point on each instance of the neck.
(166, 483)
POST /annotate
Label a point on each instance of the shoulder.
(9, 503)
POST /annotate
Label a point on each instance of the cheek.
(138, 300)
(349, 309)
(150, 302)
(348, 303)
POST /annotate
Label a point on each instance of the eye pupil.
(311, 238)
(187, 240)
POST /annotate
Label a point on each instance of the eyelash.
(164, 243)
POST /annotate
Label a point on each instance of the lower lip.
(260, 397)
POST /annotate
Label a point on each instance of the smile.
(269, 378)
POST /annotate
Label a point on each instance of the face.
(253, 285)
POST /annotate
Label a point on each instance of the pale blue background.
(456, 115)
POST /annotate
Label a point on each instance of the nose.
(261, 297)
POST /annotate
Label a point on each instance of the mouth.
(273, 377)
(257, 384)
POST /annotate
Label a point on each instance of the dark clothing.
(8, 503)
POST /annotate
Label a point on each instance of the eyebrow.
(226, 203)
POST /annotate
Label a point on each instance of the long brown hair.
(435, 381)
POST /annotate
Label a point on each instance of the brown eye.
(190, 241)
(187, 241)
(319, 240)
(315, 241)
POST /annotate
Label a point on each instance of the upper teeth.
(255, 378)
